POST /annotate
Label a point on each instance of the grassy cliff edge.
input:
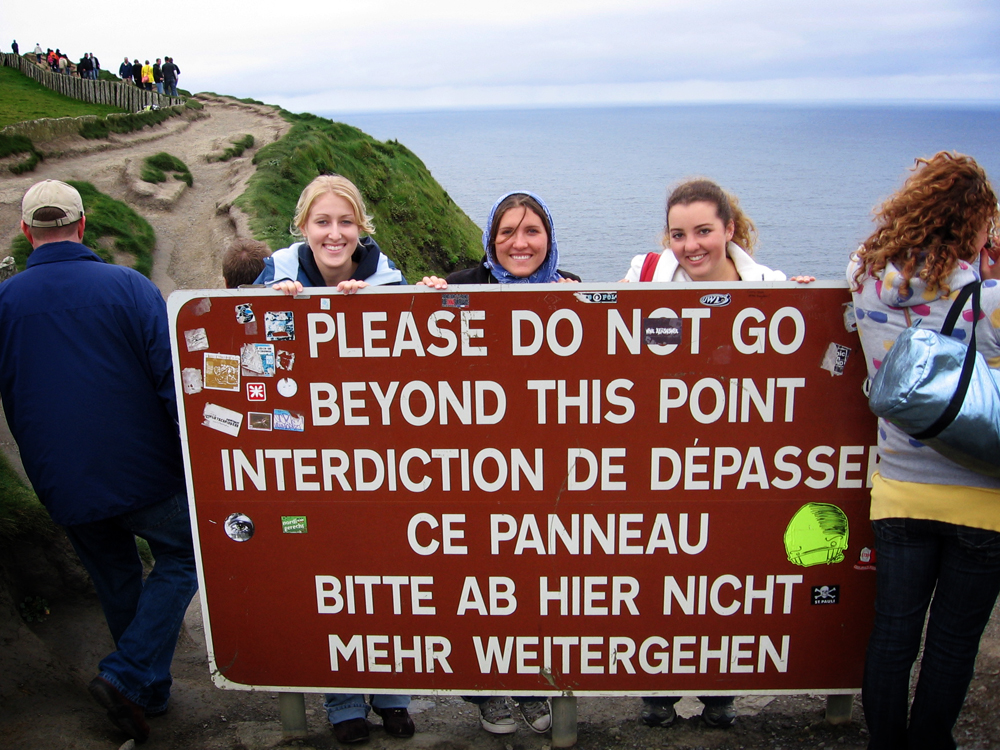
(416, 222)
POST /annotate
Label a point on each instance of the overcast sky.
(380, 55)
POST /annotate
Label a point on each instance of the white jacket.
(668, 269)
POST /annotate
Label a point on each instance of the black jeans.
(917, 559)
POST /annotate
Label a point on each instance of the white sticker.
(287, 387)
(196, 339)
(191, 378)
(291, 421)
(244, 313)
(835, 359)
(285, 360)
(222, 419)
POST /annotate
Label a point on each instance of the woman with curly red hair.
(936, 524)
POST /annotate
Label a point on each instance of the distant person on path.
(88, 390)
(520, 247)
(170, 75)
(95, 67)
(84, 66)
(125, 71)
(38, 53)
(158, 76)
(330, 217)
(137, 73)
(14, 47)
(243, 261)
(64, 65)
(707, 238)
(147, 76)
(936, 524)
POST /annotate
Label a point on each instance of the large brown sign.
(599, 489)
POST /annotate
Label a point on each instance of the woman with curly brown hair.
(936, 524)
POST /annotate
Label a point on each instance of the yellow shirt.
(965, 506)
(147, 73)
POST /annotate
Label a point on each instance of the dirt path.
(192, 225)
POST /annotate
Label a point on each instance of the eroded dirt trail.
(192, 225)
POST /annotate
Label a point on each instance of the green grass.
(22, 99)
(21, 514)
(417, 224)
(19, 144)
(105, 126)
(109, 220)
(155, 168)
(240, 145)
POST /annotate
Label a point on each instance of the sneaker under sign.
(495, 716)
(536, 715)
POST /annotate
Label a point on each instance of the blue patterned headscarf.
(545, 272)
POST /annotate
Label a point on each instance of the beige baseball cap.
(51, 194)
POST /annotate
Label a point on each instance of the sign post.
(558, 490)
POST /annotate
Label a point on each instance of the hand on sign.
(351, 286)
(564, 280)
(803, 279)
(433, 281)
(291, 288)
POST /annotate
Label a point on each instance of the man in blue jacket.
(87, 386)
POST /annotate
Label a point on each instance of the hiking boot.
(719, 716)
(396, 721)
(657, 715)
(494, 715)
(126, 715)
(536, 715)
(350, 731)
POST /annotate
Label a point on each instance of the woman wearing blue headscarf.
(521, 248)
(520, 244)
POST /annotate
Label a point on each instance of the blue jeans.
(144, 618)
(913, 558)
(346, 706)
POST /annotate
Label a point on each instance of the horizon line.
(790, 103)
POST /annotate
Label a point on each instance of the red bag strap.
(649, 266)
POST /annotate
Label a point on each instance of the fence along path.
(113, 93)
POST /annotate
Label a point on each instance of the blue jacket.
(297, 262)
(87, 384)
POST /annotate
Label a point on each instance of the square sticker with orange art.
(222, 372)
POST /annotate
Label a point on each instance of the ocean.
(809, 177)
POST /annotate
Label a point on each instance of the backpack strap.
(649, 266)
(955, 405)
